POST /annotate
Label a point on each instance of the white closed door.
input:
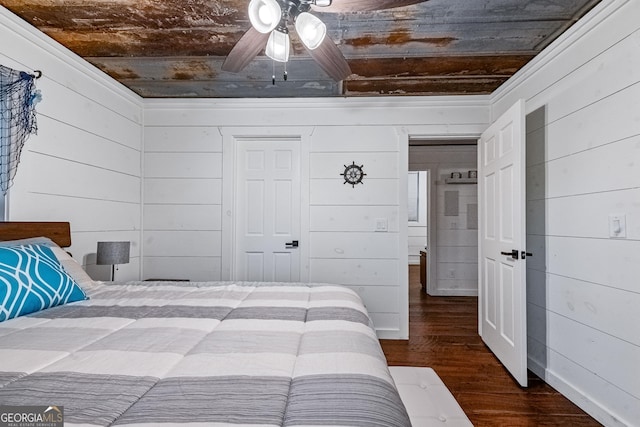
(502, 239)
(267, 197)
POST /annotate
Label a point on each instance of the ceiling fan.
(270, 21)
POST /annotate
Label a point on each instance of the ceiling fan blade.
(331, 60)
(247, 48)
(340, 6)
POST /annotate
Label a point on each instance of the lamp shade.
(110, 253)
(278, 46)
(264, 15)
(310, 29)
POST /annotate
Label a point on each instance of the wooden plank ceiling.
(175, 48)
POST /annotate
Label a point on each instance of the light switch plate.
(618, 226)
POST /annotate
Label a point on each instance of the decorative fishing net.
(18, 97)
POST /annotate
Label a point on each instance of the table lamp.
(112, 253)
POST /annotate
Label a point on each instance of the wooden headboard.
(59, 232)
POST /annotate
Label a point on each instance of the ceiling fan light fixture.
(310, 29)
(264, 15)
(278, 46)
(322, 3)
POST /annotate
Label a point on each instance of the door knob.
(513, 254)
(291, 245)
(516, 255)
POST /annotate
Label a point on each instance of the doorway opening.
(450, 253)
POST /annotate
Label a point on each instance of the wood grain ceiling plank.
(424, 86)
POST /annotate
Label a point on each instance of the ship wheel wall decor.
(353, 174)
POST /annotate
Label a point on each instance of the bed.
(194, 353)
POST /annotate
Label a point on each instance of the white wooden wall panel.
(463, 272)
(354, 271)
(372, 192)
(354, 245)
(68, 178)
(82, 211)
(585, 215)
(586, 303)
(182, 243)
(197, 139)
(58, 139)
(424, 115)
(183, 199)
(606, 168)
(457, 237)
(458, 254)
(585, 87)
(596, 125)
(352, 218)
(169, 217)
(183, 165)
(350, 140)
(379, 299)
(175, 191)
(88, 114)
(584, 259)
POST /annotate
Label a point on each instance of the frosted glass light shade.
(278, 46)
(264, 15)
(310, 29)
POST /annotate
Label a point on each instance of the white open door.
(267, 196)
(502, 238)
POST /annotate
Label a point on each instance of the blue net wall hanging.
(18, 97)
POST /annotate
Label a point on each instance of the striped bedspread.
(203, 354)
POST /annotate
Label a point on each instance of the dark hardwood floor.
(443, 335)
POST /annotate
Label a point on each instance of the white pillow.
(72, 267)
(29, 241)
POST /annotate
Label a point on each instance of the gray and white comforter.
(203, 354)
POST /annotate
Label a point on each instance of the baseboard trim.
(601, 414)
(454, 293)
(390, 334)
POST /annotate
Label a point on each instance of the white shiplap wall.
(183, 202)
(189, 187)
(84, 165)
(345, 248)
(583, 164)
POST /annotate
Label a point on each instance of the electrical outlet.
(382, 224)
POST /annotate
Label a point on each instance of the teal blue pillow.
(32, 279)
